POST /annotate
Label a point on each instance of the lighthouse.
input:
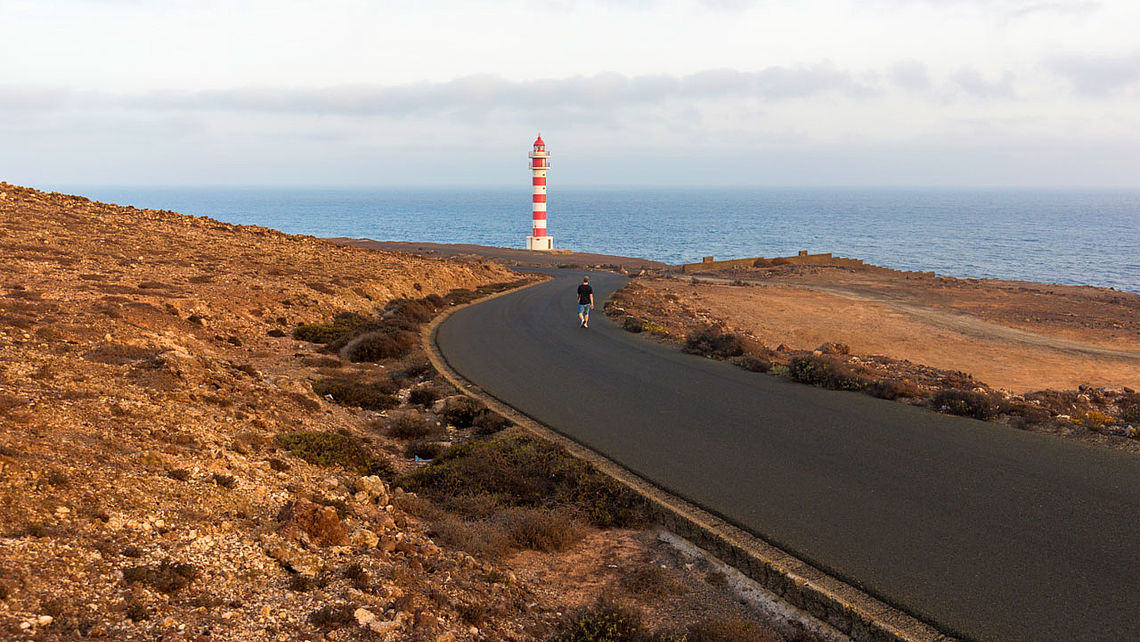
(539, 163)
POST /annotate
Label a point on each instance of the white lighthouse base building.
(545, 243)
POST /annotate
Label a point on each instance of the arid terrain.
(206, 432)
(1013, 335)
(1058, 358)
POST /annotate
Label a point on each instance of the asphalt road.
(987, 532)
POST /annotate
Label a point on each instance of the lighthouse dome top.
(538, 141)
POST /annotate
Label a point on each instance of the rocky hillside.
(176, 462)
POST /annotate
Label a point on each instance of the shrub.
(1129, 406)
(167, 577)
(605, 622)
(413, 313)
(1095, 419)
(824, 372)
(333, 449)
(423, 396)
(332, 617)
(967, 403)
(225, 481)
(651, 579)
(181, 474)
(423, 449)
(419, 368)
(375, 346)
(519, 470)
(490, 423)
(137, 611)
(753, 363)
(344, 325)
(711, 342)
(370, 396)
(462, 412)
(1023, 415)
(409, 425)
(633, 324)
(892, 388)
(542, 529)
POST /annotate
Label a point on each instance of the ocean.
(1054, 236)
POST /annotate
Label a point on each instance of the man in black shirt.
(585, 301)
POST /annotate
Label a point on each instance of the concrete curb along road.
(837, 603)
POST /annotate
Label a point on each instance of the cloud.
(29, 98)
(474, 94)
(973, 83)
(1062, 8)
(1097, 75)
(911, 75)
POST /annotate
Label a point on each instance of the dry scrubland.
(1058, 359)
(210, 431)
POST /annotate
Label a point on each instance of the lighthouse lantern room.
(539, 163)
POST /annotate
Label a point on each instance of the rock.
(364, 537)
(364, 617)
(445, 637)
(290, 555)
(308, 523)
(425, 620)
(373, 488)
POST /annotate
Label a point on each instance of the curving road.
(987, 532)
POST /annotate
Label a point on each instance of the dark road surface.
(987, 532)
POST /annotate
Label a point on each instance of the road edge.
(840, 605)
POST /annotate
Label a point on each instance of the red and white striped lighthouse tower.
(539, 163)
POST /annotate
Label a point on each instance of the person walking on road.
(585, 301)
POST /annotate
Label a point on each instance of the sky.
(737, 93)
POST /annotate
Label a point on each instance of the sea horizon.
(1072, 236)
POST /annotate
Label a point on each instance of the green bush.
(542, 529)
(824, 372)
(711, 342)
(633, 324)
(423, 396)
(490, 423)
(333, 617)
(1129, 406)
(605, 622)
(753, 363)
(167, 577)
(423, 449)
(342, 327)
(410, 425)
(462, 412)
(519, 470)
(370, 396)
(967, 403)
(892, 389)
(381, 344)
(333, 449)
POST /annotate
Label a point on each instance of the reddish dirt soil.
(1013, 335)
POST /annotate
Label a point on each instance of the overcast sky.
(640, 92)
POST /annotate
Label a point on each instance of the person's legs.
(582, 310)
(585, 316)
